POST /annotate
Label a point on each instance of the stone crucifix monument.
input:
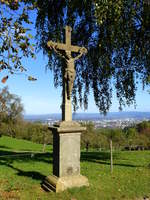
(67, 133)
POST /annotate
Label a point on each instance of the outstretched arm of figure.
(58, 52)
(53, 46)
(82, 51)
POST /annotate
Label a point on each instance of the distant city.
(111, 120)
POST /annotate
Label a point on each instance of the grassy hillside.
(23, 166)
(12, 144)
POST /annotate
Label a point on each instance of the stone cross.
(65, 50)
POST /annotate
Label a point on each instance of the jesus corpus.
(69, 70)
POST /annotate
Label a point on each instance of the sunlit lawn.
(22, 172)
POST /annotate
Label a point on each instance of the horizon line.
(91, 113)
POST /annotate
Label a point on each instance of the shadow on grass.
(8, 157)
(31, 174)
(4, 147)
(25, 156)
(104, 158)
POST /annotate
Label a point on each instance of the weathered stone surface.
(67, 127)
(66, 134)
(69, 160)
(69, 73)
(66, 157)
(54, 183)
(64, 47)
(66, 148)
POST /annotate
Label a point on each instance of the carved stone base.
(59, 184)
(66, 148)
(66, 158)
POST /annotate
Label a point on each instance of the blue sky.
(40, 97)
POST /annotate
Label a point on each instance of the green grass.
(22, 172)
(12, 144)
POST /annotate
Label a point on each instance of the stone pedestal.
(66, 157)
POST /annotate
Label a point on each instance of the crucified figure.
(69, 71)
(65, 50)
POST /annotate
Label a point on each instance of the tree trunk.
(87, 147)
(44, 142)
(111, 157)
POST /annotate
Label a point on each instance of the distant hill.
(90, 116)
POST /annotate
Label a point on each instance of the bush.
(35, 132)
